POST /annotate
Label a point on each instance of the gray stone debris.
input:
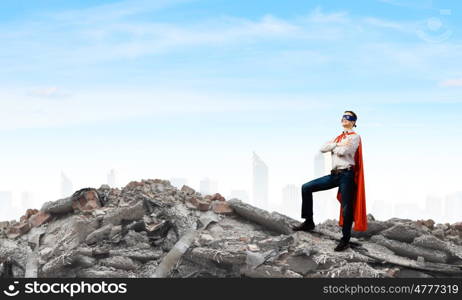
(373, 227)
(128, 213)
(411, 251)
(60, 206)
(99, 234)
(274, 221)
(402, 232)
(149, 228)
(177, 251)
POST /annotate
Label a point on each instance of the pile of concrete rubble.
(152, 229)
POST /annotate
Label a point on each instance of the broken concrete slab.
(68, 233)
(373, 227)
(129, 213)
(221, 207)
(277, 242)
(273, 221)
(61, 206)
(302, 264)
(181, 247)
(39, 218)
(381, 253)
(103, 272)
(254, 259)
(84, 261)
(34, 235)
(181, 218)
(411, 251)
(55, 265)
(402, 232)
(431, 242)
(99, 234)
(31, 265)
(198, 203)
(17, 230)
(172, 257)
(142, 255)
(268, 271)
(217, 256)
(120, 262)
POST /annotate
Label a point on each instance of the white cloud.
(417, 4)
(85, 107)
(451, 83)
(111, 12)
(318, 16)
(405, 27)
(101, 105)
(48, 92)
(110, 40)
(410, 61)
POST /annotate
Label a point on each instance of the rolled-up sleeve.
(354, 143)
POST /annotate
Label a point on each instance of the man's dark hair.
(352, 112)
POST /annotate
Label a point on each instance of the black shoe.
(305, 226)
(342, 246)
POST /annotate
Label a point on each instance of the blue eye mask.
(349, 117)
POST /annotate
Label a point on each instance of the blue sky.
(159, 89)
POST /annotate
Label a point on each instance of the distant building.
(453, 207)
(239, 194)
(7, 211)
(111, 178)
(260, 182)
(27, 201)
(66, 186)
(407, 211)
(290, 193)
(178, 182)
(208, 186)
(381, 210)
(434, 207)
(291, 200)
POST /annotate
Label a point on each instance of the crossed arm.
(348, 145)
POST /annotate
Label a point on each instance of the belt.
(338, 171)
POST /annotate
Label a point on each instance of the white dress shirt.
(342, 156)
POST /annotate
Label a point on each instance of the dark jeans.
(347, 187)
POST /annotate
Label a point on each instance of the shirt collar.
(347, 130)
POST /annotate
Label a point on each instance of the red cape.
(359, 213)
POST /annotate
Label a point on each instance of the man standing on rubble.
(347, 174)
